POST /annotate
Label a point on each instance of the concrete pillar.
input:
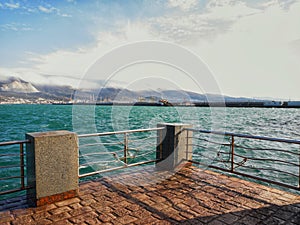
(174, 147)
(52, 166)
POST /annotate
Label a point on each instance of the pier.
(170, 188)
(191, 196)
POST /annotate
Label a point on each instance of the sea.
(17, 120)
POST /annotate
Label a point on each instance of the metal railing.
(111, 151)
(12, 167)
(270, 160)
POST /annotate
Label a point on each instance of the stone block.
(52, 166)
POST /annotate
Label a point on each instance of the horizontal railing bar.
(11, 166)
(106, 143)
(13, 190)
(120, 132)
(100, 153)
(99, 162)
(213, 142)
(115, 168)
(142, 139)
(6, 178)
(144, 146)
(267, 149)
(12, 154)
(267, 159)
(134, 149)
(248, 175)
(14, 142)
(291, 141)
(142, 155)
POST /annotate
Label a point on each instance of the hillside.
(20, 91)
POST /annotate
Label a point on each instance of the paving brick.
(79, 211)
(106, 217)
(45, 208)
(127, 219)
(6, 218)
(273, 220)
(133, 207)
(83, 217)
(60, 210)
(40, 216)
(63, 222)
(249, 220)
(59, 216)
(120, 211)
(45, 221)
(24, 220)
(67, 202)
(228, 218)
(296, 219)
(191, 196)
(149, 220)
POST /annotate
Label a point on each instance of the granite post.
(174, 146)
(51, 166)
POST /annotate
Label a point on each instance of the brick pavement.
(191, 196)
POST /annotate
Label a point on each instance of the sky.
(251, 48)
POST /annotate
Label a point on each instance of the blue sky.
(252, 47)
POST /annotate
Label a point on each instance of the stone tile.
(59, 216)
(191, 196)
(273, 220)
(67, 202)
(79, 211)
(6, 218)
(83, 217)
(41, 215)
(23, 220)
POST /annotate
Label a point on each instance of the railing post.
(159, 145)
(125, 147)
(52, 166)
(173, 149)
(299, 168)
(232, 153)
(22, 166)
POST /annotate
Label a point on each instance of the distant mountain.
(18, 86)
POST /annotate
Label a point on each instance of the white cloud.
(253, 52)
(46, 10)
(228, 10)
(16, 27)
(184, 5)
(12, 5)
(68, 67)
(217, 18)
(254, 58)
(51, 9)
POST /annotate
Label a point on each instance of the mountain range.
(18, 88)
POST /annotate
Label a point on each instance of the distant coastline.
(17, 91)
(290, 104)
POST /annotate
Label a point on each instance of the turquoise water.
(16, 120)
